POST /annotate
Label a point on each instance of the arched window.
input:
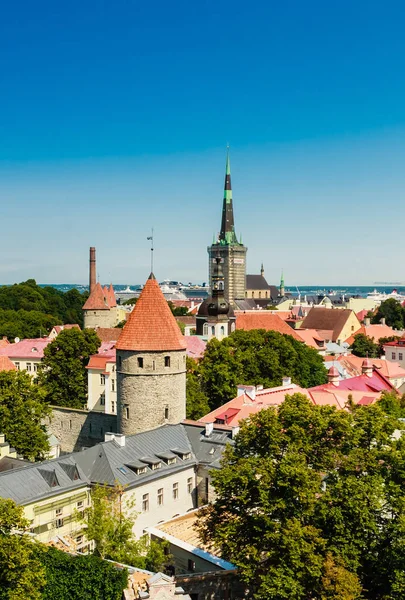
(212, 330)
(205, 329)
(222, 330)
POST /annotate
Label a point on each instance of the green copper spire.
(282, 290)
(227, 235)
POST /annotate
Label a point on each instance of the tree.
(257, 357)
(63, 372)
(21, 573)
(364, 346)
(109, 522)
(393, 313)
(22, 411)
(309, 503)
(197, 402)
(80, 577)
(178, 311)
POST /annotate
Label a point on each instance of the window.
(171, 461)
(175, 491)
(260, 294)
(189, 485)
(160, 497)
(156, 466)
(205, 329)
(102, 399)
(166, 412)
(112, 406)
(35, 367)
(222, 330)
(28, 366)
(393, 356)
(167, 361)
(191, 565)
(127, 412)
(145, 503)
(153, 365)
(58, 512)
(140, 362)
(113, 385)
(113, 369)
(79, 504)
(213, 330)
(59, 523)
(102, 379)
(79, 539)
(400, 356)
(17, 366)
(207, 488)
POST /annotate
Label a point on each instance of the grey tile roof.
(110, 463)
(208, 450)
(40, 480)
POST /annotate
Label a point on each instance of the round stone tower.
(151, 365)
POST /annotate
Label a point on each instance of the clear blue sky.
(114, 116)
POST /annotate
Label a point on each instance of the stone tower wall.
(148, 390)
(234, 269)
(99, 318)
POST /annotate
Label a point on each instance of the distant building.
(26, 355)
(231, 251)
(333, 325)
(102, 382)
(55, 331)
(395, 352)
(375, 331)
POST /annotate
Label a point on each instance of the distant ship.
(381, 296)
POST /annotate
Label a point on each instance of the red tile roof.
(111, 300)
(353, 365)
(362, 383)
(33, 348)
(263, 319)
(6, 364)
(374, 331)
(195, 346)
(59, 328)
(4, 342)
(96, 300)
(151, 325)
(108, 334)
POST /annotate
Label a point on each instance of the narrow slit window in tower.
(167, 361)
(127, 412)
(166, 411)
(140, 362)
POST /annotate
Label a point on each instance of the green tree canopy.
(22, 410)
(257, 357)
(310, 503)
(197, 402)
(393, 313)
(28, 310)
(109, 522)
(21, 573)
(80, 577)
(63, 373)
(364, 346)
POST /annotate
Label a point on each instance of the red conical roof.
(151, 325)
(96, 299)
(111, 297)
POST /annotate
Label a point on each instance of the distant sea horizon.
(304, 290)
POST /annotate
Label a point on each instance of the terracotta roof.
(6, 364)
(99, 361)
(263, 319)
(353, 364)
(327, 318)
(151, 325)
(110, 296)
(4, 342)
(195, 346)
(311, 337)
(362, 383)
(96, 300)
(59, 328)
(375, 332)
(108, 334)
(30, 348)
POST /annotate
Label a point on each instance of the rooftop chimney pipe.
(92, 272)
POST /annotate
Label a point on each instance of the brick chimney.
(333, 376)
(367, 367)
(92, 270)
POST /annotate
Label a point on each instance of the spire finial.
(150, 238)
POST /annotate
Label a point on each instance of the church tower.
(215, 316)
(227, 247)
(151, 365)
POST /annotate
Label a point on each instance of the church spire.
(227, 235)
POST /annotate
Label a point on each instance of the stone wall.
(99, 318)
(152, 394)
(214, 585)
(77, 429)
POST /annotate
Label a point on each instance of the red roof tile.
(30, 348)
(6, 364)
(4, 342)
(59, 328)
(96, 300)
(151, 325)
(374, 331)
(111, 300)
(108, 334)
(195, 346)
(262, 319)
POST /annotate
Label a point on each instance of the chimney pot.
(209, 428)
(367, 321)
(286, 381)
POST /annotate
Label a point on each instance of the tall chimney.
(92, 272)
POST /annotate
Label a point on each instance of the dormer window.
(156, 466)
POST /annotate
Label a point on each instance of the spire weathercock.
(227, 235)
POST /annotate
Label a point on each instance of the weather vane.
(150, 238)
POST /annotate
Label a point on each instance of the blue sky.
(114, 117)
